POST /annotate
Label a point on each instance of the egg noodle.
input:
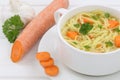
(99, 39)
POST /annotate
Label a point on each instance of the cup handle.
(59, 13)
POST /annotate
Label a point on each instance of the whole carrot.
(36, 29)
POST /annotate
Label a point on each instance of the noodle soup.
(93, 38)
(95, 31)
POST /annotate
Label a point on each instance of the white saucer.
(49, 43)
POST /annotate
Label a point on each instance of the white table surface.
(28, 68)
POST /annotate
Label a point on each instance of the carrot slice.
(72, 34)
(86, 20)
(117, 41)
(52, 70)
(47, 63)
(36, 29)
(113, 23)
(43, 56)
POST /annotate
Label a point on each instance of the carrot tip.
(17, 51)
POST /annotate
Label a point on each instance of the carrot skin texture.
(36, 29)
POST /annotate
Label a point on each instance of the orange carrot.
(43, 56)
(47, 63)
(52, 70)
(86, 20)
(36, 29)
(72, 34)
(117, 41)
(113, 23)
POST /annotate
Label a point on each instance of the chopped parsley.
(117, 29)
(95, 17)
(109, 44)
(75, 43)
(107, 15)
(85, 28)
(100, 26)
(77, 25)
(87, 47)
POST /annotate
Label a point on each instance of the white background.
(29, 68)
